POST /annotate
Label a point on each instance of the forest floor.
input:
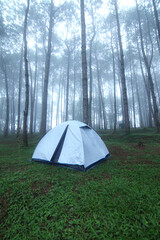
(118, 199)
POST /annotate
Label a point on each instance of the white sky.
(123, 3)
(127, 3)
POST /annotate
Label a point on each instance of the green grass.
(118, 199)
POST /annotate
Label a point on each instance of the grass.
(118, 199)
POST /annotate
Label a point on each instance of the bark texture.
(84, 64)
(25, 116)
(46, 77)
(123, 79)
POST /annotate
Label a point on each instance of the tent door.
(58, 149)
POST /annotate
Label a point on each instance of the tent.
(71, 144)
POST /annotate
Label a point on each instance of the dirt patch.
(4, 205)
(9, 142)
(118, 152)
(14, 168)
(93, 178)
(104, 176)
(39, 190)
(157, 150)
(150, 163)
(135, 156)
(107, 176)
(133, 162)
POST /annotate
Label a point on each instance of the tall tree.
(6, 128)
(148, 63)
(67, 87)
(102, 123)
(84, 64)
(122, 70)
(150, 110)
(114, 83)
(25, 138)
(19, 91)
(90, 67)
(46, 77)
(156, 17)
(33, 90)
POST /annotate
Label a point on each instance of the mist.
(121, 87)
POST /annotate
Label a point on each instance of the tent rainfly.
(71, 144)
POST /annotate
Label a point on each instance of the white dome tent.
(72, 144)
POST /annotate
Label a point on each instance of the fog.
(121, 87)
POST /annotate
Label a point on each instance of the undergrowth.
(118, 199)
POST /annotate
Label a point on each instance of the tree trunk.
(25, 137)
(67, 87)
(148, 69)
(90, 89)
(90, 85)
(150, 110)
(31, 100)
(114, 83)
(13, 121)
(156, 84)
(120, 83)
(133, 99)
(84, 64)
(52, 105)
(156, 18)
(58, 100)
(123, 79)
(139, 103)
(90, 68)
(2, 104)
(62, 99)
(33, 93)
(35, 109)
(46, 77)
(74, 89)
(101, 99)
(19, 92)
(6, 127)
